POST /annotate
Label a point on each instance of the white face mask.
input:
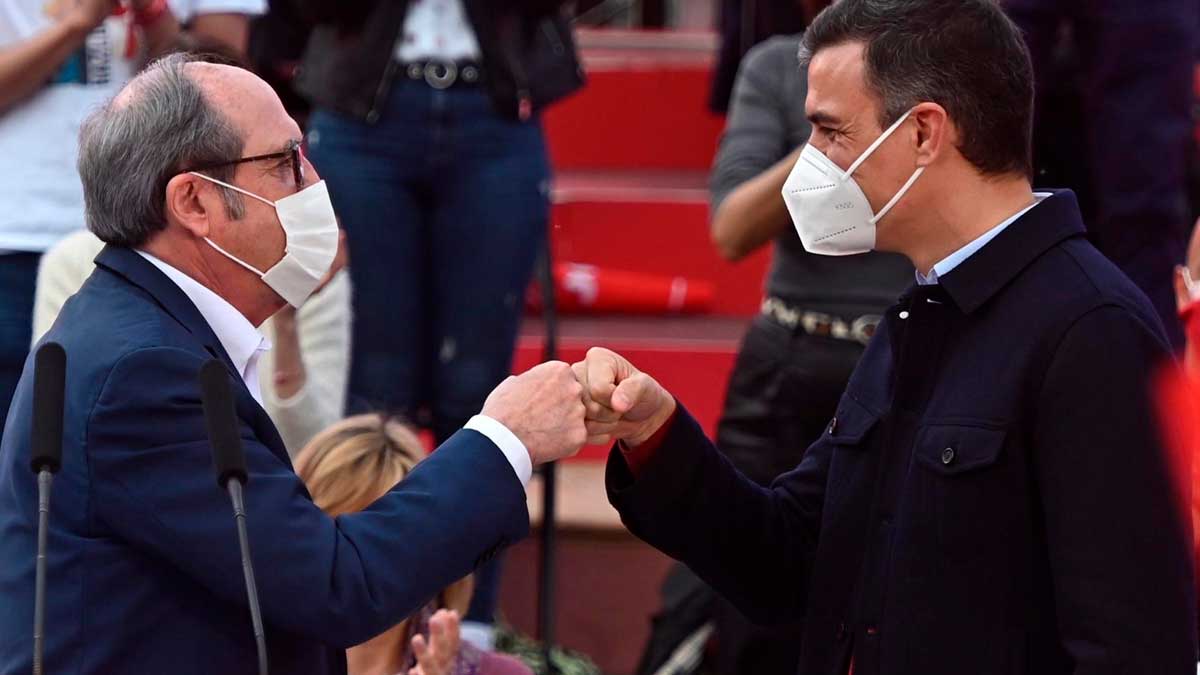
(830, 211)
(311, 231)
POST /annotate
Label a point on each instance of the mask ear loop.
(1192, 288)
(895, 198)
(873, 146)
(234, 258)
(212, 243)
(233, 187)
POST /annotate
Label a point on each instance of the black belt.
(441, 74)
(855, 329)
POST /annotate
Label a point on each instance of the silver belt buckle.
(449, 74)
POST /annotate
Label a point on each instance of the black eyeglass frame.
(293, 152)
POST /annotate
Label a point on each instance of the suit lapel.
(140, 272)
(129, 265)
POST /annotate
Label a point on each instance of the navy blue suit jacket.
(144, 569)
(991, 499)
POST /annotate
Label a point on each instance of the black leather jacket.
(528, 53)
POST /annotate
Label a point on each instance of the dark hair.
(964, 55)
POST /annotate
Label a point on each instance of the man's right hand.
(623, 403)
(543, 407)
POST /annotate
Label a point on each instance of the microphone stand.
(230, 462)
(45, 479)
(46, 442)
(234, 486)
(549, 473)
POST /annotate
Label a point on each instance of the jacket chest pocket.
(852, 464)
(956, 450)
(964, 487)
(851, 424)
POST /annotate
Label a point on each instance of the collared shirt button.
(903, 314)
(947, 456)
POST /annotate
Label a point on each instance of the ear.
(1183, 294)
(189, 202)
(935, 134)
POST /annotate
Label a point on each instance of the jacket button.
(833, 426)
(903, 314)
(947, 456)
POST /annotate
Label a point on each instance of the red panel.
(658, 238)
(650, 117)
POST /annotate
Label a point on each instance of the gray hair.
(130, 149)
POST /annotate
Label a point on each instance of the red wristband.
(150, 14)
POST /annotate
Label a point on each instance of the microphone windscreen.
(49, 382)
(221, 419)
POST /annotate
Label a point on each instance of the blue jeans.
(18, 277)
(444, 204)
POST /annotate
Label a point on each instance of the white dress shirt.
(953, 260)
(241, 340)
(437, 29)
(245, 346)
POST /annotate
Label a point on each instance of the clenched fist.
(544, 408)
(623, 403)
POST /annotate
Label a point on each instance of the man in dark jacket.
(991, 496)
(426, 127)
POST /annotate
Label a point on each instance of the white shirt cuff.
(512, 447)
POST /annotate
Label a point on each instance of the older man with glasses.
(58, 60)
(213, 220)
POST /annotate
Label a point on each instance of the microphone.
(221, 420)
(49, 379)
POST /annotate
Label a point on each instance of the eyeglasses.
(293, 154)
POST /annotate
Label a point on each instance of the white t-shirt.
(41, 199)
(436, 29)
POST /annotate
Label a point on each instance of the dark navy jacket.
(144, 569)
(991, 498)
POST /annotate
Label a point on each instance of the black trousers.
(782, 394)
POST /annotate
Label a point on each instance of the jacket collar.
(992, 267)
(135, 269)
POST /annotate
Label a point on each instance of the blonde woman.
(348, 466)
